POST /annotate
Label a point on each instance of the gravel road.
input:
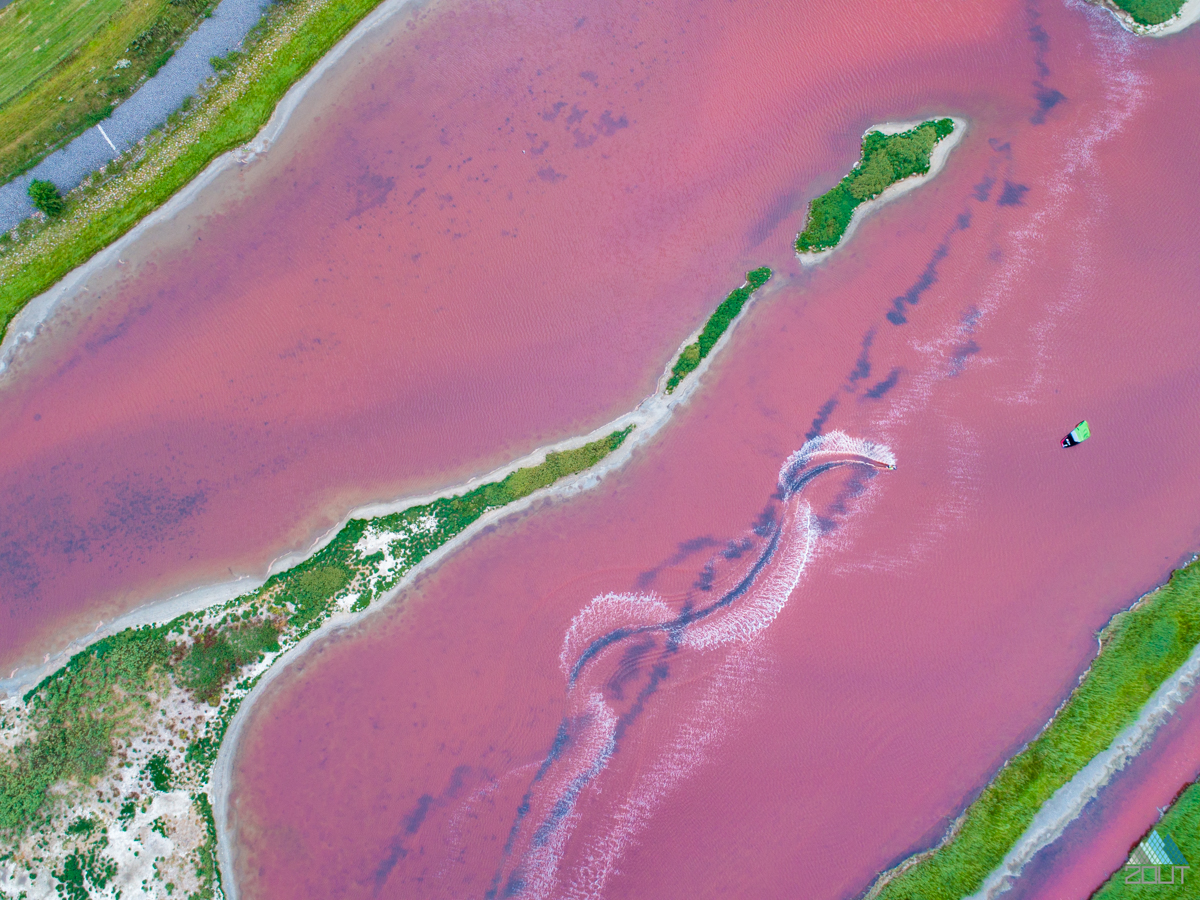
(148, 108)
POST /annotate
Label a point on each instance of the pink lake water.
(544, 716)
(488, 229)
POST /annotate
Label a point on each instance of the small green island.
(1140, 649)
(718, 323)
(886, 160)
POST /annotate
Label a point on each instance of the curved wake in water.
(621, 650)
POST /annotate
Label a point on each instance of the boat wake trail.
(678, 671)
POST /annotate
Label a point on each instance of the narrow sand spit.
(649, 416)
(937, 159)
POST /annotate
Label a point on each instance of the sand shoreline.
(937, 160)
(25, 326)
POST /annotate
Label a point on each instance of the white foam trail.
(604, 615)
(1069, 800)
(539, 864)
(765, 601)
(591, 722)
(729, 692)
(835, 443)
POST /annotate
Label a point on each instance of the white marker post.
(105, 136)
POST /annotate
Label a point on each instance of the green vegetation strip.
(257, 82)
(82, 711)
(1151, 12)
(65, 63)
(1140, 649)
(1182, 823)
(717, 324)
(886, 159)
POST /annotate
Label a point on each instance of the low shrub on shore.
(1151, 12)
(46, 197)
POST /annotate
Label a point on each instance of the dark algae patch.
(716, 326)
(1140, 649)
(886, 159)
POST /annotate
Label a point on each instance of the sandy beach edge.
(937, 160)
(28, 323)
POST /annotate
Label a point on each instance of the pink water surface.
(489, 229)
(441, 749)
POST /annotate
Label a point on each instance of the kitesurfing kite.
(1078, 435)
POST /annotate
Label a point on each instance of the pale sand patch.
(937, 159)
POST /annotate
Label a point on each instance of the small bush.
(45, 197)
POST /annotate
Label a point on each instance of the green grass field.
(1141, 648)
(63, 64)
(1151, 12)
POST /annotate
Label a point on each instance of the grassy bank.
(126, 701)
(717, 324)
(1150, 12)
(886, 159)
(293, 38)
(1140, 649)
(1181, 822)
(67, 62)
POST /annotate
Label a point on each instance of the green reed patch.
(77, 712)
(217, 655)
(691, 355)
(1151, 12)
